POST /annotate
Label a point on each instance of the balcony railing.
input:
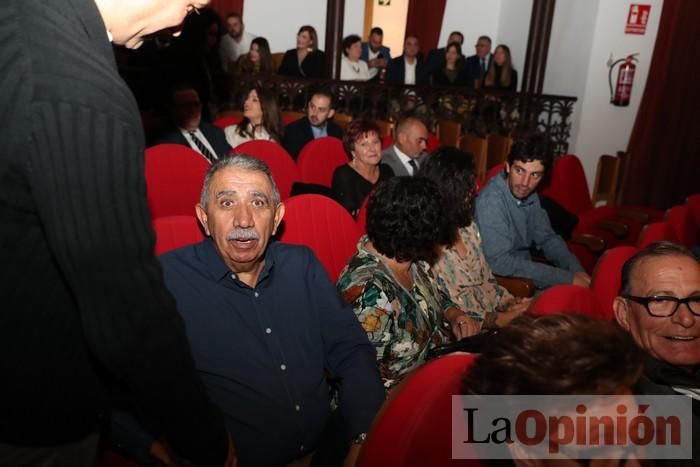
(480, 112)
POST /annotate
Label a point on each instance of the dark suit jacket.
(214, 135)
(396, 71)
(298, 133)
(473, 67)
(313, 66)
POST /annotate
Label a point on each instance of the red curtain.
(425, 22)
(664, 150)
(224, 7)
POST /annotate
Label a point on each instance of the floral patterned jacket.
(401, 324)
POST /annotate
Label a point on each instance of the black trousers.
(79, 454)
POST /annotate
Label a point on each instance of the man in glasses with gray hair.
(659, 305)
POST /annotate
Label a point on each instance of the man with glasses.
(478, 64)
(659, 305)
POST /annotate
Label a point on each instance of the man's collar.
(219, 269)
(402, 155)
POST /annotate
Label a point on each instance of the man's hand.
(351, 457)
(583, 279)
(462, 325)
(377, 63)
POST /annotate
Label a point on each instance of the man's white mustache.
(243, 234)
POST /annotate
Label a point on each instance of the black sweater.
(84, 309)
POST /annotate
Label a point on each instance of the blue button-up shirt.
(510, 227)
(319, 132)
(262, 351)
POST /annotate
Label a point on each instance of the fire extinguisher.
(625, 78)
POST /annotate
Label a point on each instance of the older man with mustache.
(265, 323)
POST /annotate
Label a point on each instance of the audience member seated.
(306, 61)
(408, 151)
(352, 182)
(407, 68)
(351, 67)
(403, 308)
(265, 322)
(501, 74)
(452, 72)
(257, 62)
(560, 355)
(317, 123)
(511, 221)
(188, 129)
(478, 64)
(461, 264)
(261, 119)
(659, 305)
(235, 43)
(436, 57)
(375, 53)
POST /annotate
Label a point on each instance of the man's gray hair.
(238, 161)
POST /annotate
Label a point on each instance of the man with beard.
(266, 323)
(512, 221)
(317, 123)
(235, 42)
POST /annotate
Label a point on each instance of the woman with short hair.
(402, 307)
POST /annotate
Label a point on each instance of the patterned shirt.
(401, 324)
(469, 279)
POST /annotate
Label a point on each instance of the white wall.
(513, 28)
(278, 20)
(473, 18)
(354, 20)
(601, 127)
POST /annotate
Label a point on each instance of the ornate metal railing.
(481, 112)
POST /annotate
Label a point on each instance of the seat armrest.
(518, 286)
(593, 243)
(619, 229)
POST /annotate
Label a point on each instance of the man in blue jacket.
(375, 54)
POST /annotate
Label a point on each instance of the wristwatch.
(359, 439)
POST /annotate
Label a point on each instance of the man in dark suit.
(189, 129)
(478, 64)
(375, 54)
(436, 57)
(316, 124)
(407, 68)
(408, 152)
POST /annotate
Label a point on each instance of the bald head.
(411, 137)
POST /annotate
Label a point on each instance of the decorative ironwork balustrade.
(481, 112)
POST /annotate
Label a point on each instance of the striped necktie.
(202, 147)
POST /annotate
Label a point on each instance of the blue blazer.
(473, 67)
(384, 51)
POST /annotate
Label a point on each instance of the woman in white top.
(351, 67)
(261, 119)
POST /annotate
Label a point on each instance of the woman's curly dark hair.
(356, 130)
(452, 170)
(403, 218)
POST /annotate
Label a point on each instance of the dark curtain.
(425, 22)
(664, 151)
(224, 7)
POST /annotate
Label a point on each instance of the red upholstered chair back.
(414, 427)
(656, 232)
(281, 164)
(319, 158)
(606, 280)
(568, 186)
(683, 225)
(174, 177)
(223, 122)
(176, 231)
(493, 171)
(387, 141)
(433, 142)
(324, 226)
(567, 298)
(693, 203)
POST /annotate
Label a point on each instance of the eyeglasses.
(662, 306)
